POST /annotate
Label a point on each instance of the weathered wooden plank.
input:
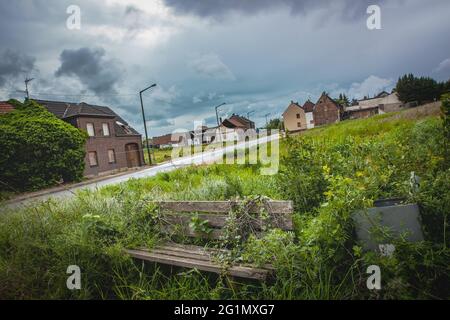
(200, 250)
(283, 221)
(208, 266)
(273, 206)
(197, 252)
(204, 256)
(214, 220)
(193, 252)
(214, 234)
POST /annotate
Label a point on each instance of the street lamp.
(217, 115)
(145, 124)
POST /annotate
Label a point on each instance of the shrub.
(38, 149)
(445, 108)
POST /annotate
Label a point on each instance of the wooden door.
(132, 151)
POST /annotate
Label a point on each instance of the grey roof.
(64, 110)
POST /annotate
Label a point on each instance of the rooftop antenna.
(26, 87)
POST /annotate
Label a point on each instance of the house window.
(93, 159)
(105, 127)
(298, 115)
(111, 156)
(299, 124)
(90, 129)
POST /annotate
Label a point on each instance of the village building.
(294, 118)
(359, 112)
(308, 107)
(167, 141)
(234, 128)
(238, 122)
(382, 103)
(112, 144)
(386, 102)
(327, 111)
(5, 107)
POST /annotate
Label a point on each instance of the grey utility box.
(396, 219)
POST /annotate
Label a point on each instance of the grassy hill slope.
(328, 172)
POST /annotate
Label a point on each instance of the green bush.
(37, 149)
(445, 108)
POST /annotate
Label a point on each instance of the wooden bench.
(177, 217)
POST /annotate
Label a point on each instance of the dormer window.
(124, 127)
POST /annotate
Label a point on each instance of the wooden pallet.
(179, 213)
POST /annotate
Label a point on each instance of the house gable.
(326, 111)
(294, 117)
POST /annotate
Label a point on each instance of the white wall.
(309, 120)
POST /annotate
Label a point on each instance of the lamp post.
(217, 115)
(145, 124)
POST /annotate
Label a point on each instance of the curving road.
(196, 159)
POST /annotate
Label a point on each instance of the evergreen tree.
(410, 88)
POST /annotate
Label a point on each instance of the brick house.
(5, 107)
(233, 128)
(112, 145)
(169, 140)
(238, 122)
(326, 111)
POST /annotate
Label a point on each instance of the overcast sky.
(255, 55)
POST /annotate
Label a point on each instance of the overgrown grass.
(328, 172)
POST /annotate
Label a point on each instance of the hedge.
(37, 149)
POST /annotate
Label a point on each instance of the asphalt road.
(196, 159)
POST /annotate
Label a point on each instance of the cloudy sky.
(255, 55)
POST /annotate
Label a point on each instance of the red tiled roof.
(5, 107)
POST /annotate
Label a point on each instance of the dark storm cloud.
(219, 8)
(13, 64)
(92, 68)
